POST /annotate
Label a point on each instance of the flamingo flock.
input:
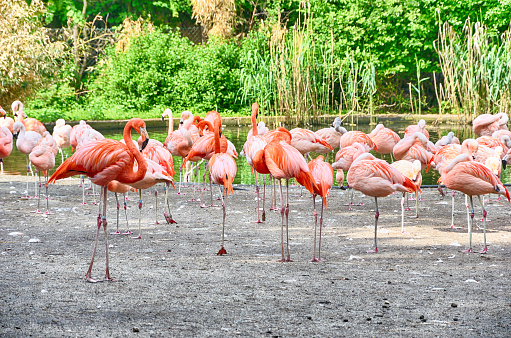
(472, 168)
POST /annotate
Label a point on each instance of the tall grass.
(476, 69)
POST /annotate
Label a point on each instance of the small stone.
(368, 318)
(136, 329)
(454, 305)
(345, 320)
(387, 302)
(389, 282)
(455, 319)
(421, 317)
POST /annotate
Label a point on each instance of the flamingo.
(377, 178)
(6, 121)
(254, 144)
(25, 142)
(120, 188)
(261, 130)
(154, 174)
(345, 157)
(61, 135)
(178, 142)
(104, 161)
(158, 153)
(332, 135)
(491, 142)
(285, 162)
(357, 136)
(419, 127)
(412, 170)
(323, 175)
(448, 139)
(305, 141)
(487, 124)
(473, 179)
(5, 145)
(76, 133)
(31, 124)
(384, 138)
(413, 147)
(222, 168)
(42, 157)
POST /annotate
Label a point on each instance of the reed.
(476, 69)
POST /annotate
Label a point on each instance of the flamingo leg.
(128, 232)
(104, 191)
(139, 214)
(99, 224)
(83, 189)
(288, 259)
(180, 172)
(403, 213)
(211, 189)
(118, 207)
(470, 224)
(37, 193)
(452, 212)
(38, 211)
(48, 212)
(263, 215)
(376, 216)
(168, 215)
(485, 250)
(468, 212)
(416, 205)
(320, 228)
(156, 205)
(257, 192)
(222, 250)
(281, 223)
(314, 259)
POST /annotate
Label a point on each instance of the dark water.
(15, 164)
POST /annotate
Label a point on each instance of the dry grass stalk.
(132, 29)
(217, 16)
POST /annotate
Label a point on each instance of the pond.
(15, 164)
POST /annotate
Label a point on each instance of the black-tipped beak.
(144, 144)
(15, 135)
(504, 164)
(181, 122)
(163, 119)
(473, 157)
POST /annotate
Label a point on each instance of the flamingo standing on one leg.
(5, 145)
(420, 127)
(473, 179)
(61, 135)
(384, 138)
(254, 144)
(31, 124)
(332, 135)
(377, 178)
(412, 170)
(343, 160)
(104, 161)
(25, 142)
(42, 157)
(6, 121)
(487, 124)
(324, 178)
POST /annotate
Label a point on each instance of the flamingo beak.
(504, 164)
(143, 132)
(162, 118)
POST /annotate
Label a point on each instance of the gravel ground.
(172, 283)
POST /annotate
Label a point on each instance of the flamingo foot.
(37, 211)
(403, 232)
(110, 279)
(289, 259)
(467, 251)
(222, 251)
(115, 233)
(169, 219)
(316, 259)
(258, 221)
(421, 199)
(84, 203)
(274, 209)
(485, 250)
(373, 251)
(453, 227)
(181, 193)
(360, 204)
(193, 200)
(214, 205)
(48, 213)
(408, 209)
(156, 222)
(128, 232)
(411, 198)
(90, 279)
(137, 237)
(203, 206)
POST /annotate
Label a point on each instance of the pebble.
(454, 305)
(136, 329)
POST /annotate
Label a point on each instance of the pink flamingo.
(344, 158)
(61, 135)
(420, 127)
(254, 144)
(377, 178)
(42, 157)
(473, 179)
(384, 138)
(448, 139)
(413, 147)
(492, 143)
(323, 175)
(357, 136)
(76, 133)
(261, 130)
(30, 123)
(104, 161)
(285, 162)
(158, 153)
(412, 170)
(5, 145)
(305, 141)
(487, 124)
(154, 174)
(178, 142)
(25, 142)
(222, 168)
(6, 121)
(332, 135)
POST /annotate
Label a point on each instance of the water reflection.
(15, 164)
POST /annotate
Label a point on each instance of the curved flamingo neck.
(171, 124)
(134, 176)
(255, 111)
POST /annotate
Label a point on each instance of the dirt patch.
(173, 284)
